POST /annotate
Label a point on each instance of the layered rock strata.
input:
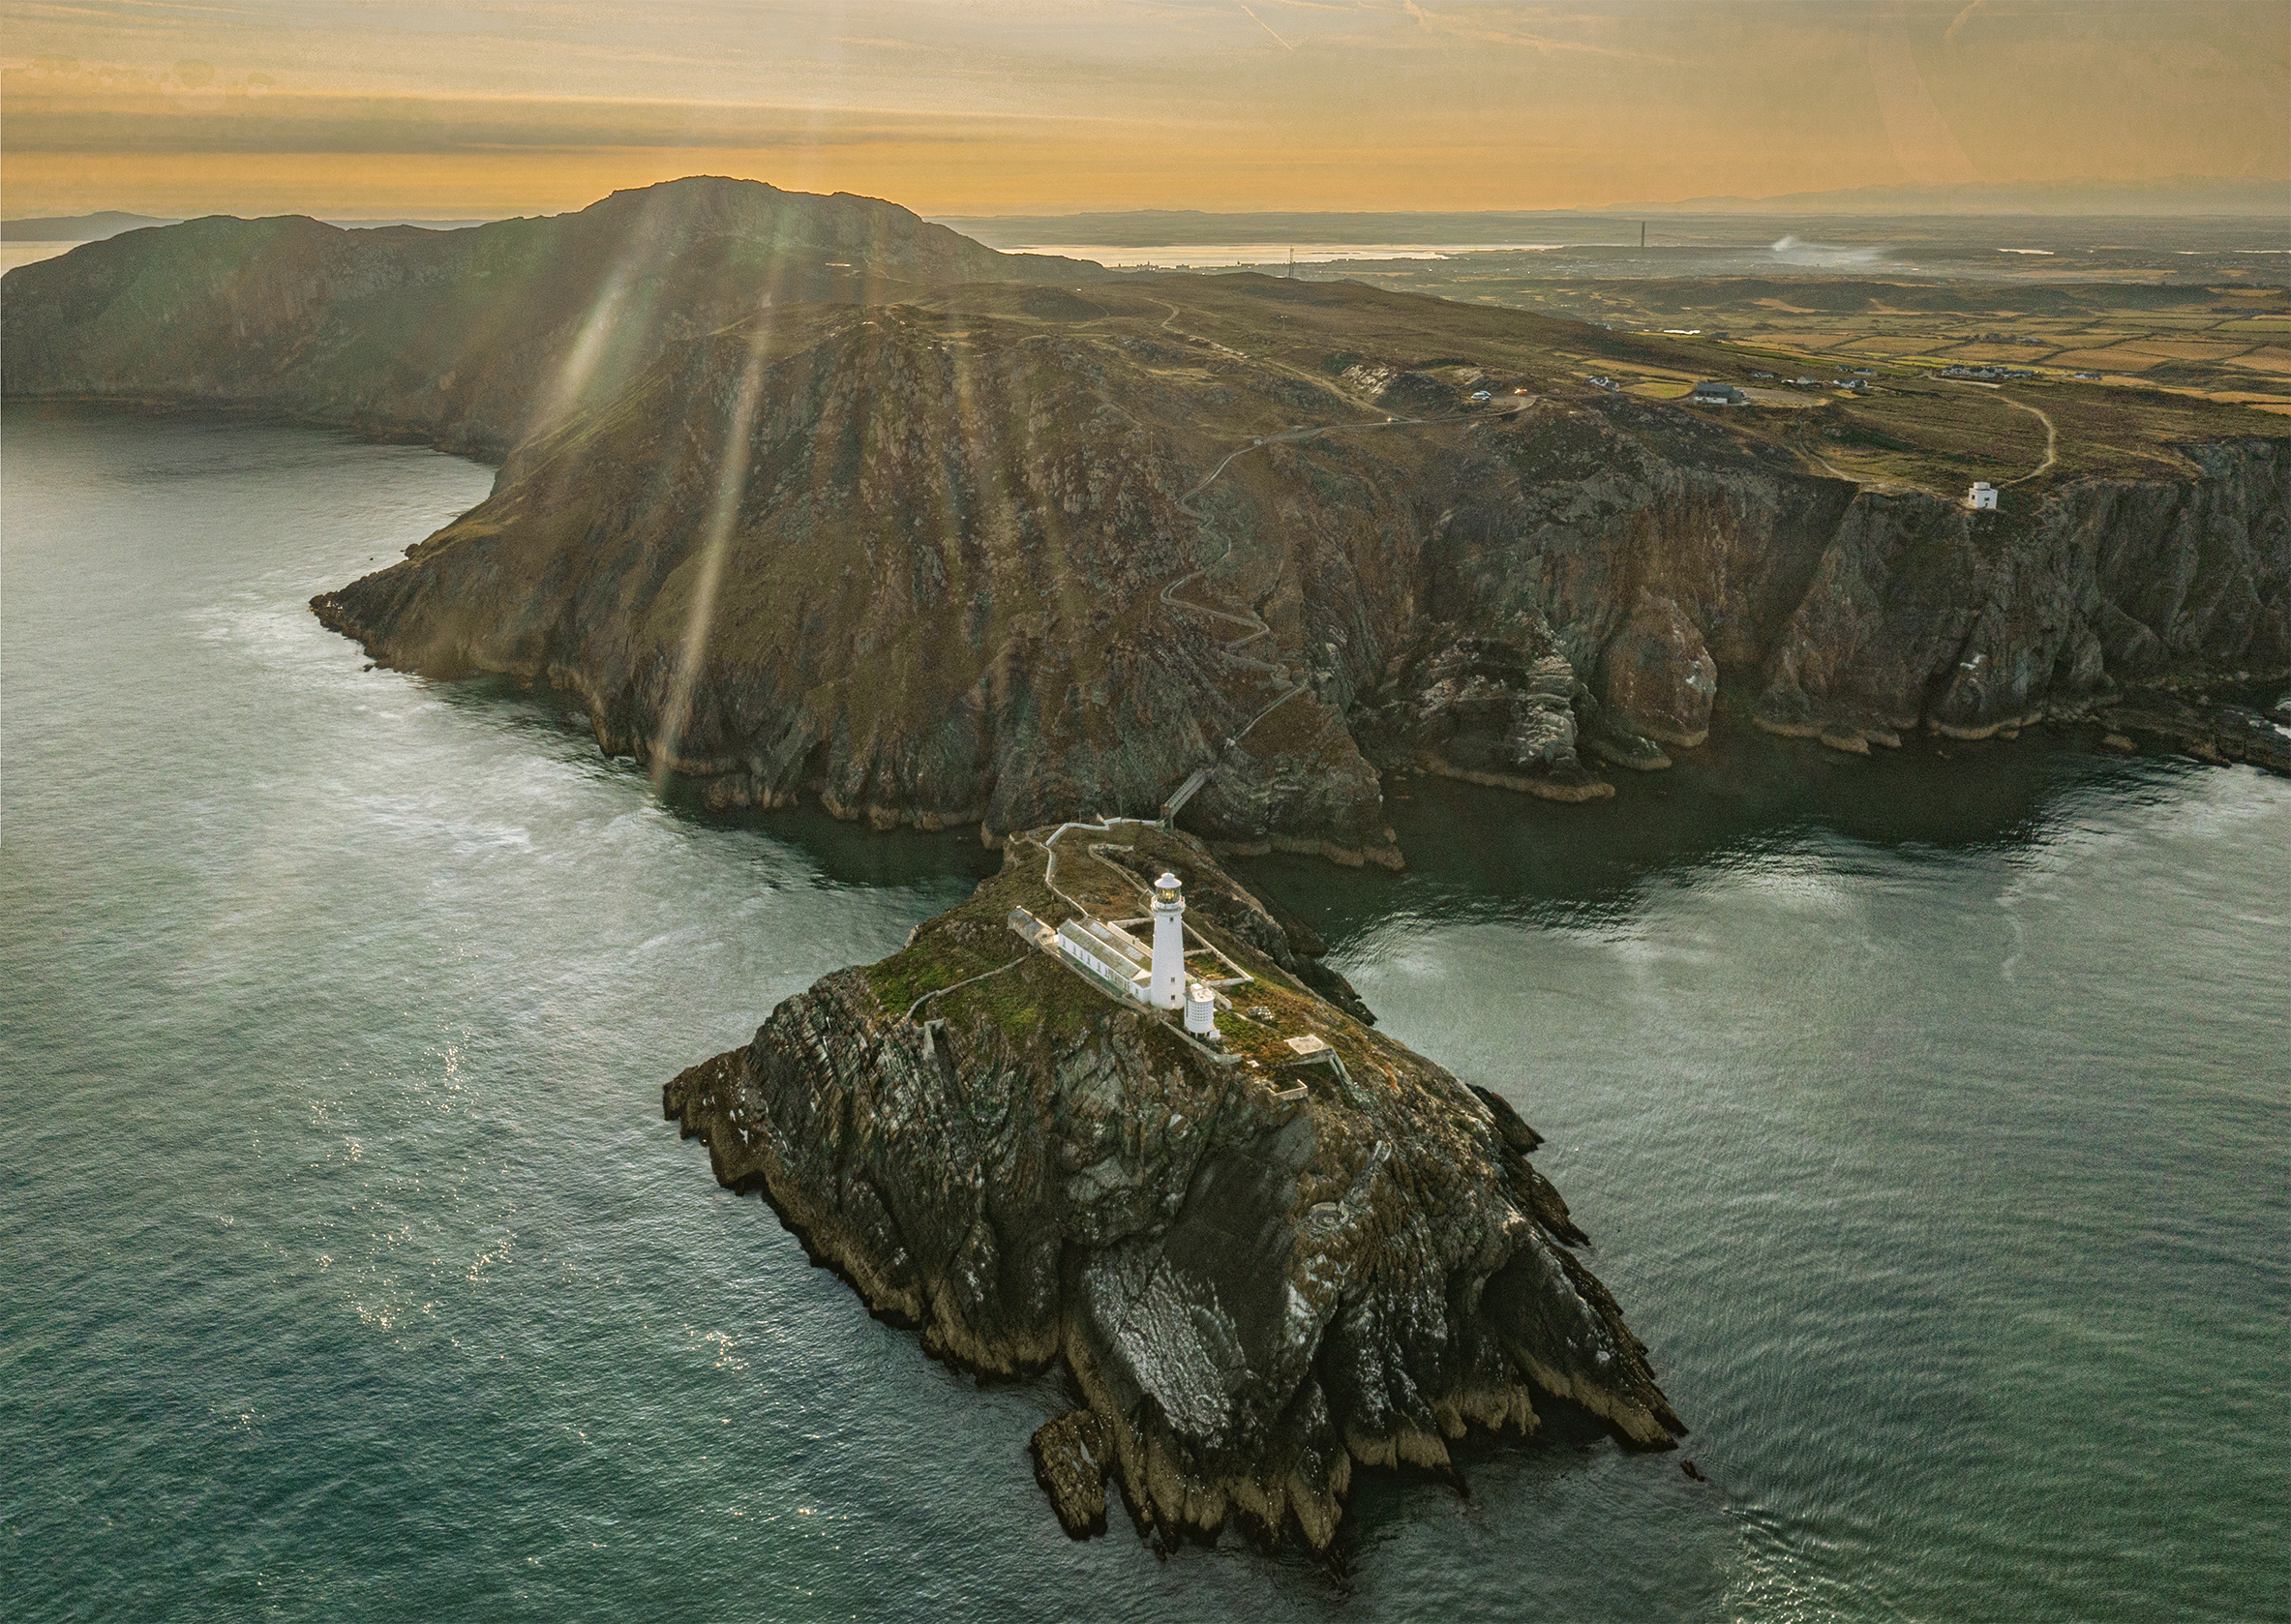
(1261, 1273)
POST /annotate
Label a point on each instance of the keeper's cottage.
(1127, 967)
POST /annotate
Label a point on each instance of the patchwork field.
(1910, 429)
(2229, 342)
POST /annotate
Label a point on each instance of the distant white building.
(1982, 497)
(1716, 394)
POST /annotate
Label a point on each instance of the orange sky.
(528, 106)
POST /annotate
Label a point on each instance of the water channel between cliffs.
(1928, 1116)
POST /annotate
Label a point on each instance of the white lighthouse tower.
(1166, 989)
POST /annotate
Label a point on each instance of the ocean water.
(1930, 1118)
(1225, 256)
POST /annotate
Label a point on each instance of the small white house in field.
(1717, 394)
(1982, 497)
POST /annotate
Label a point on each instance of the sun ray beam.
(732, 478)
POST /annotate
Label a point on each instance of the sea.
(1930, 1116)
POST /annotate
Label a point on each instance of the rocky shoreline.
(1261, 1270)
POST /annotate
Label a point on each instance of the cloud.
(1795, 251)
(1268, 28)
(144, 115)
(1497, 34)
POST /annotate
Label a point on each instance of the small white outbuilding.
(1982, 497)
(1201, 1011)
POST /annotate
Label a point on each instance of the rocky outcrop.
(1661, 680)
(1485, 709)
(2219, 733)
(1261, 1273)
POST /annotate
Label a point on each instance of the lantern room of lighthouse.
(1165, 988)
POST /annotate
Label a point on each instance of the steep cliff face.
(1926, 615)
(1260, 1272)
(473, 339)
(956, 561)
(914, 564)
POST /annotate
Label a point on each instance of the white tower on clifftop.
(1166, 989)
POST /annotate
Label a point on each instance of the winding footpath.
(1254, 624)
(2051, 434)
(2052, 439)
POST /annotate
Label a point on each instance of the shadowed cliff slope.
(472, 338)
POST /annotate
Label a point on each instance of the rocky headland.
(471, 340)
(1261, 1270)
(805, 499)
(969, 565)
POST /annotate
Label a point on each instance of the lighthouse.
(1166, 989)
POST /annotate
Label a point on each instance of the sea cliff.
(1262, 1271)
(959, 562)
(806, 499)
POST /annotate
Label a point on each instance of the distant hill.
(470, 337)
(76, 228)
(417, 224)
(2189, 196)
(97, 228)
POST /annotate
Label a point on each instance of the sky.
(374, 108)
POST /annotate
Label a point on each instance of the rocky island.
(1264, 1261)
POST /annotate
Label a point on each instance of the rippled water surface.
(1929, 1115)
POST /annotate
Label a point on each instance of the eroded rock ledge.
(1260, 1272)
